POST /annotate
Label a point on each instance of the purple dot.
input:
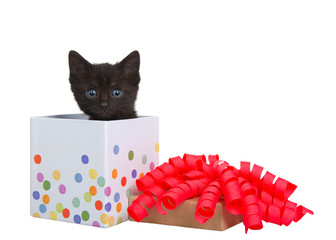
(134, 173)
(116, 149)
(85, 159)
(40, 177)
(116, 197)
(77, 219)
(62, 189)
(151, 166)
(36, 195)
(95, 224)
(108, 207)
(107, 191)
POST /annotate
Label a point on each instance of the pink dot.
(95, 224)
(151, 166)
(40, 177)
(107, 191)
(62, 189)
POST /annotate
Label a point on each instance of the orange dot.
(66, 213)
(37, 159)
(99, 205)
(118, 208)
(114, 173)
(141, 175)
(123, 181)
(93, 190)
(45, 199)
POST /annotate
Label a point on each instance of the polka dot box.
(84, 171)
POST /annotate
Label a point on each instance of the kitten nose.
(104, 104)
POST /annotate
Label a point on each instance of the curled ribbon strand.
(245, 191)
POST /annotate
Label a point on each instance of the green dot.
(119, 220)
(46, 185)
(128, 192)
(59, 207)
(87, 197)
(144, 159)
(130, 155)
(101, 181)
(76, 202)
(85, 215)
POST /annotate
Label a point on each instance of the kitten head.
(105, 91)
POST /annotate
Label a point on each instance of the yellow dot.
(104, 218)
(56, 175)
(36, 215)
(45, 199)
(157, 147)
(53, 215)
(93, 174)
(111, 221)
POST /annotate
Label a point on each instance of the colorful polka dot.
(134, 173)
(93, 174)
(59, 207)
(98, 205)
(144, 159)
(45, 199)
(95, 224)
(87, 197)
(107, 191)
(116, 149)
(93, 190)
(157, 147)
(66, 213)
(108, 207)
(53, 215)
(40, 177)
(118, 207)
(130, 155)
(36, 215)
(56, 175)
(141, 175)
(62, 189)
(43, 208)
(37, 159)
(36, 195)
(123, 181)
(46, 185)
(119, 220)
(77, 219)
(128, 192)
(78, 177)
(85, 216)
(151, 166)
(101, 181)
(111, 221)
(114, 173)
(116, 197)
(85, 159)
(76, 202)
(104, 218)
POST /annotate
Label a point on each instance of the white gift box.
(84, 171)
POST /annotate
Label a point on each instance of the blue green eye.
(91, 93)
(116, 93)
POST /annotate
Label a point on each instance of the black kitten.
(105, 91)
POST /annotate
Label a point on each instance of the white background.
(249, 80)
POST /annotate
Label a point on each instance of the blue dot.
(108, 207)
(116, 197)
(116, 149)
(77, 219)
(134, 173)
(85, 159)
(43, 208)
(36, 195)
(78, 177)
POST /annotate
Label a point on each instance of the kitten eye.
(91, 93)
(116, 93)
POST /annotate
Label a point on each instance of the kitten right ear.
(77, 64)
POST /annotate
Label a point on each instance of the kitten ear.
(131, 64)
(77, 64)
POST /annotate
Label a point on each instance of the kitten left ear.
(131, 64)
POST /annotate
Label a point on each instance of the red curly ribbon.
(246, 192)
